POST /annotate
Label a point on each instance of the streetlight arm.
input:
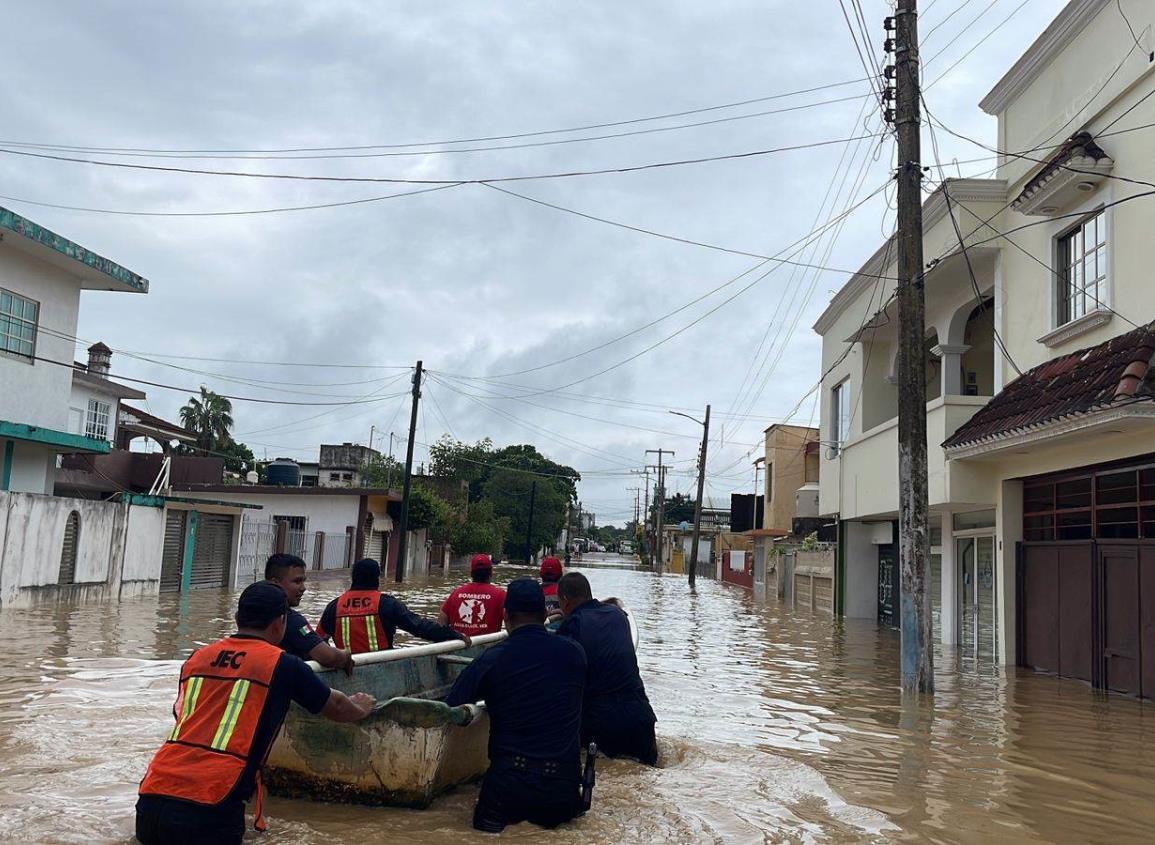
(687, 416)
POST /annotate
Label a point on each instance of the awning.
(59, 441)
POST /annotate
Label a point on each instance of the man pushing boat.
(475, 608)
(364, 619)
(290, 573)
(232, 699)
(532, 686)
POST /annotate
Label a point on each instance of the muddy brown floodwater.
(774, 726)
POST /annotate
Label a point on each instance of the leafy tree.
(426, 510)
(238, 457)
(510, 493)
(679, 508)
(383, 471)
(210, 417)
(449, 458)
(482, 531)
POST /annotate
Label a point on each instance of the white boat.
(406, 753)
(412, 749)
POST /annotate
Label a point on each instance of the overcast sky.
(474, 282)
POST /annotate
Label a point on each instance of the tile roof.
(1116, 372)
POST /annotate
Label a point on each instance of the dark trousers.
(510, 796)
(169, 821)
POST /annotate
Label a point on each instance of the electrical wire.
(968, 53)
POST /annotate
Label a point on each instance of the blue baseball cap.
(524, 595)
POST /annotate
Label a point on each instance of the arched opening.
(978, 362)
(933, 367)
(68, 550)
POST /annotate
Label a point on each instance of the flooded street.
(773, 725)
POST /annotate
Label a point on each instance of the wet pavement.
(774, 726)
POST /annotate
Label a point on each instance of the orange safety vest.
(358, 623)
(223, 690)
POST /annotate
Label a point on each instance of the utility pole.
(372, 431)
(568, 530)
(913, 531)
(403, 543)
(693, 568)
(529, 528)
(661, 515)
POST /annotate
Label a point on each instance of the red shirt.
(475, 608)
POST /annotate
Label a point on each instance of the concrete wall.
(36, 393)
(78, 409)
(328, 513)
(118, 543)
(33, 467)
(861, 600)
(785, 472)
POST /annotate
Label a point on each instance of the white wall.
(78, 402)
(37, 393)
(328, 513)
(861, 571)
(33, 468)
(114, 539)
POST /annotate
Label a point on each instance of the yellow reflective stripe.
(344, 632)
(371, 628)
(232, 713)
(192, 689)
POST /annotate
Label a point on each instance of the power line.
(474, 140)
(981, 41)
(433, 152)
(395, 180)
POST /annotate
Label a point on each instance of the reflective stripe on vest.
(359, 626)
(223, 690)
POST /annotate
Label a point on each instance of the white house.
(1042, 485)
(94, 402)
(41, 277)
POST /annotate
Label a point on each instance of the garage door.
(213, 551)
(173, 554)
(1058, 621)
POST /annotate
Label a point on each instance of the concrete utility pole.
(913, 530)
(660, 518)
(568, 530)
(403, 542)
(529, 528)
(693, 568)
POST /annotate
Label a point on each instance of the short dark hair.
(574, 585)
(279, 564)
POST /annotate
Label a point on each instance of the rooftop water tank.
(283, 472)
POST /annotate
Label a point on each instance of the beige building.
(1042, 485)
(791, 461)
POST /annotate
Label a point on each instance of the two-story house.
(41, 277)
(1040, 419)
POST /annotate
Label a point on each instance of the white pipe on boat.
(428, 649)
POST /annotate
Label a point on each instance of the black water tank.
(283, 472)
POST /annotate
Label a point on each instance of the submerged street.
(773, 726)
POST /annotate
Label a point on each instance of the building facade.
(1040, 420)
(41, 277)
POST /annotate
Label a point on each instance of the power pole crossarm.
(913, 544)
(660, 496)
(403, 541)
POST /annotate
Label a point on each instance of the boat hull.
(404, 755)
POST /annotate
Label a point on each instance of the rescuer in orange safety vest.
(365, 619)
(232, 699)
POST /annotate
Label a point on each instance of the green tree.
(210, 417)
(482, 531)
(384, 471)
(238, 457)
(511, 492)
(427, 510)
(679, 508)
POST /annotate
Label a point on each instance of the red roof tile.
(1117, 371)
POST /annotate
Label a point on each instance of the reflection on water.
(773, 725)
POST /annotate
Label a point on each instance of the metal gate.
(172, 557)
(257, 542)
(212, 552)
(888, 585)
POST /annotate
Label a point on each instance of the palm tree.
(210, 418)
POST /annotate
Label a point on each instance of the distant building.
(344, 465)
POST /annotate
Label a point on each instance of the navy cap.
(366, 574)
(524, 595)
(261, 604)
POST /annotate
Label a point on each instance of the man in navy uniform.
(616, 713)
(289, 573)
(532, 686)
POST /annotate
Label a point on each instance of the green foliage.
(426, 510)
(238, 457)
(210, 417)
(679, 508)
(383, 471)
(482, 531)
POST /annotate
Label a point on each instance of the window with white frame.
(839, 417)
(1082, 266)
(96, 424)
(18, 321)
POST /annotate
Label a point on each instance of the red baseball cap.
(480, 562)
(550, 569)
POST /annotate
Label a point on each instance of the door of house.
(172, 555)
(888, 585)
(212, 552)
(976, 579)
(1121, 607)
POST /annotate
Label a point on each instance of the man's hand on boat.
(348, 708)
(468, 640)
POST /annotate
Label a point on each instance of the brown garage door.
(1058, 608)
